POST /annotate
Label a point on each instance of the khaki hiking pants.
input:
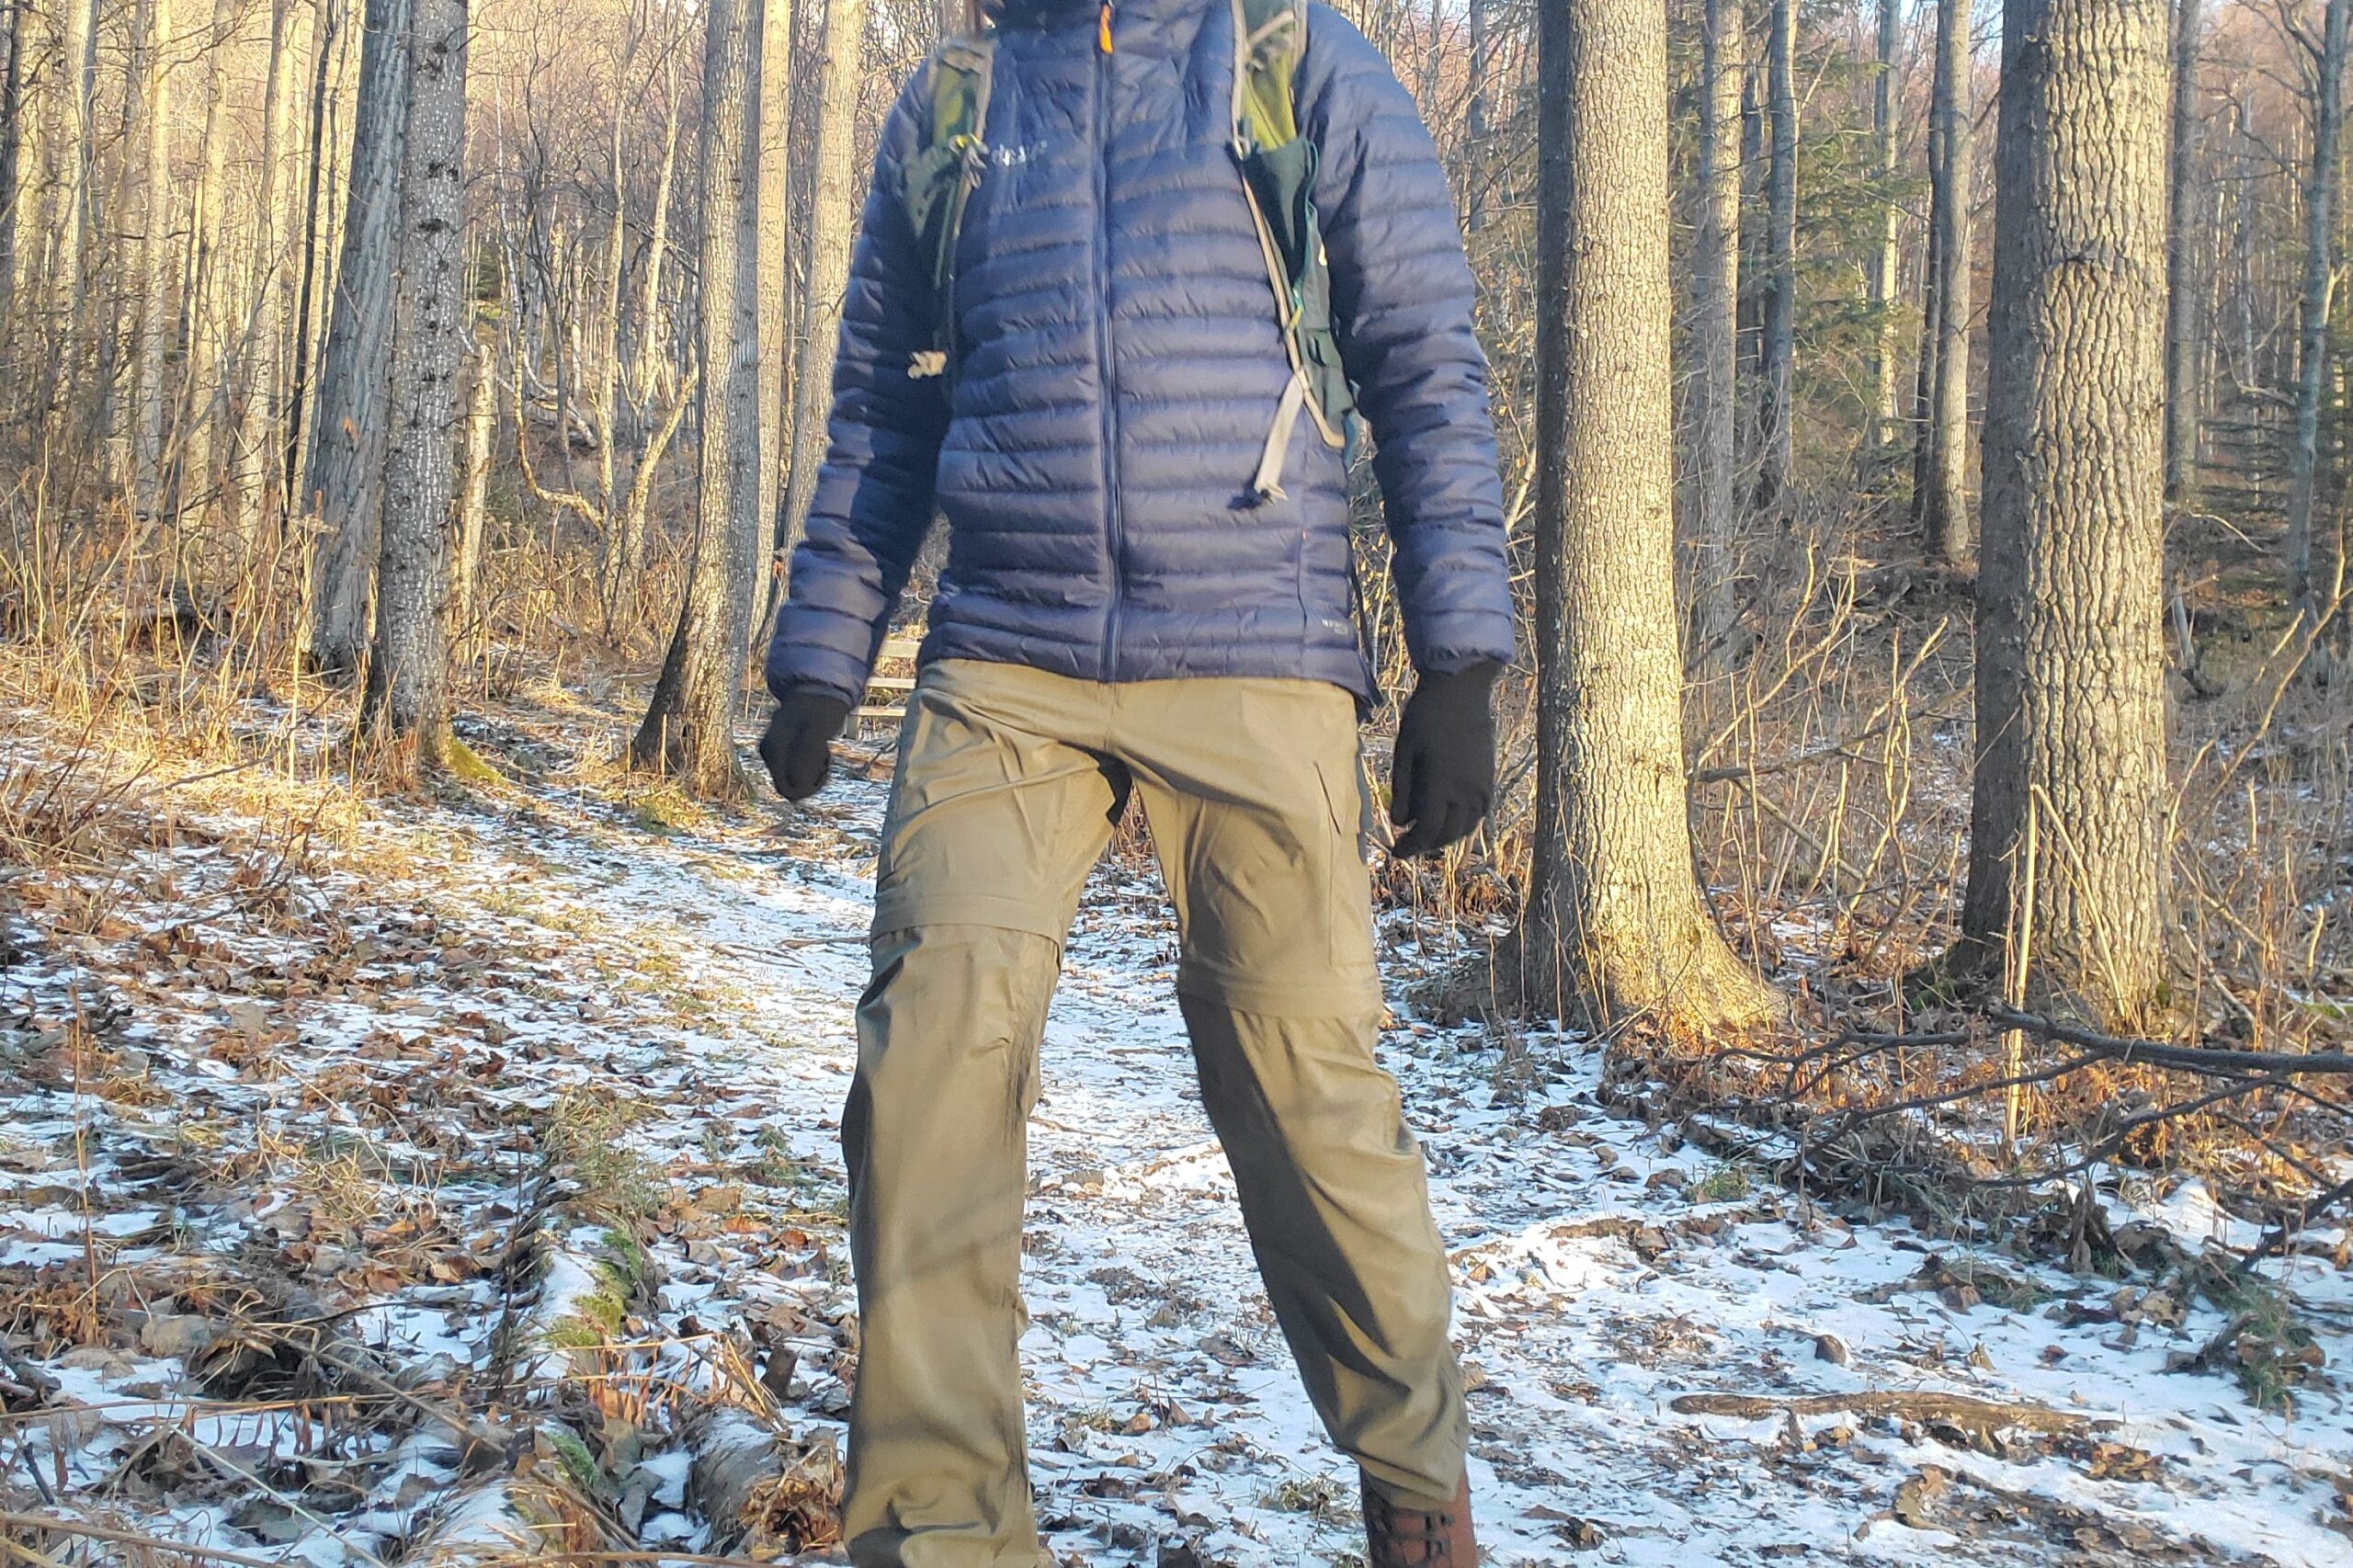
(1009, 781)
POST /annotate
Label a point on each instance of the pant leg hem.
(908, 908)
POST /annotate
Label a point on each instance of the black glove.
(796, 744)
(1443, 779)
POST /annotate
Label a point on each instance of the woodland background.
(1927, 428)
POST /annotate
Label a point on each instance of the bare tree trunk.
(13, 184)
(773, 263)
(473, 495)
(688, 729)
(657, 244)
(1614, 925)
(2066, 851)
(327, 38)
(834, 199)
(2182, 282)
(1475, 133)
(1777, 435)
(151, 117)
(605, 388)
(1715, 337)
(74, 133)
(260, 358)
(195, 484)
(1942, 500)
(2319, 295)
(346, 466)
(1883, 129)
(408, 673)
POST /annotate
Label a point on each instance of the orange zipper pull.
(1103, 29)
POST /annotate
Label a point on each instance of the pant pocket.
(1346, 877)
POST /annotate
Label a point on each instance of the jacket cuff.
(800, 667)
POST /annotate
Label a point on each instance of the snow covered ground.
(503, 1146)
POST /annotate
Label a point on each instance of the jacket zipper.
(1115, 537)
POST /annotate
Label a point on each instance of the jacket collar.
(1153, 24)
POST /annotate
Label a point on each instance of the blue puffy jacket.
(1117, 370)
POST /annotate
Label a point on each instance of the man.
(1148, 587)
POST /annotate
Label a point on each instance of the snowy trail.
(1142, 1296)
(1603, 1270)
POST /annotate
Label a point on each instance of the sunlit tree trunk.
(1715, 337)
(473, 490)
(345, 482)
(408, 674)
(688, 729)
(773, 262)
(2183, 284)
(201, 402)
(1883, 265)
(2066, 846)
(651, 336)
(1778, 345)
(259, 358)
(2320, 289)
(1614, 926)
(318, 172)
(833, 212)
(1942, 500)
(73, 134)
(606, 372)
(1474, 126)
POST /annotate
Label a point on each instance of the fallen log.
(1929, 1409)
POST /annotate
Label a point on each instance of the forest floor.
(386, 1180)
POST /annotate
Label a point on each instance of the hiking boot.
(1415, 1538)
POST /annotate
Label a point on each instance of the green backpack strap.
(1278, 168)
(936, 182)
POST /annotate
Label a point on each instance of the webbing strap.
(1266, 484)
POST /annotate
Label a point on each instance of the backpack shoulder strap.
(938, 179)
(1269, 39)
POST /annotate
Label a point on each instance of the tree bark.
(327, 38)
(1614, 926)
(1883, 265)
(346, 463)
(773, 262)
(605, 389)
(1715, 338)
(260, 358)
(2182, 282)
(1475, 131)
(834, 202)
(1942, 498)
(74, 133)
(152, 328)
(1777, 433)
(2319, 295)
(688, 729)
(13, 185)
(195, 482)
(407, 699)
(2066, 853)
(474, 494)
(657, 245)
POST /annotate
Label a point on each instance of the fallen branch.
(2185, 1057)
(30, 1522)
(1926, 1408)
